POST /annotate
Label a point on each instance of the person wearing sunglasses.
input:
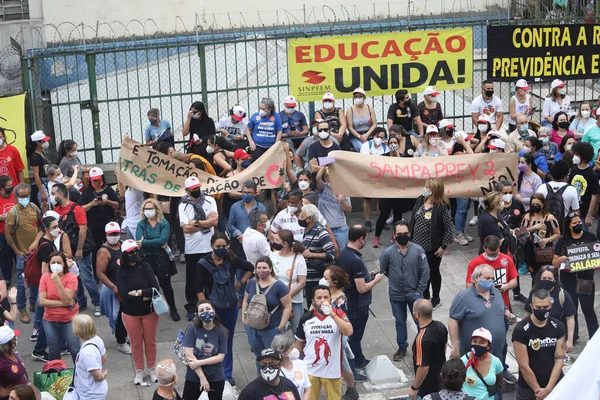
(322, 147)
(574, 282)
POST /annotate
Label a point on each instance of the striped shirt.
(317, 240)
(429, 350)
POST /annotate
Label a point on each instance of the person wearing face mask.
(233, 128)
(198, 123)
(68, 158)
(565, 192)
(404, 113)
(528, 180)
(107, 265)
(270, 383)
(592, 134)
(487, 103)
(166, 373)
(491, 222)
(239, 216)
(534, 147)
(293, 122)
(375, 146)
(558, 100)
(216, 281)
(304, 181)
(57, 294)
(361, 120)
(484, 126)
(7, 202)
(585, 181)
(560, 127)
(322, 147)
(582, 120)
(255, 242)
(335, 119)
(566, 146)
(539, 343)
(549, 149)
(431, 146)
(516, 139)
(158, 130)
(291, 366)
(333, 207)
(136, 285)
(476, 306)
(152, 235)
(484, 370)
(264, 128)
(430, 109)
(405, 265)
(573, 281)
(55, 176)
(519, 104)
(11, 160)
(89, 379)
(38, 162)
(431, 228)
(205, 346)
(240, 163)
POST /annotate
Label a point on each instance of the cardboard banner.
(380, 63)
(543, 51)
(584, 256)
(361, 175)
(12, 119)
(146, 169)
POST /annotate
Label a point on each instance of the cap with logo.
(445, 123)
(360, 91)
(238, 113)
(557, 83)
(483, 118)
(496, 144)
(240, 154)
(7, 334)
(192, 183)
(269, 353)
(431, 91)
(482, 333)
(128, 246)
(432, 129)
(464, 135)
(112, 227)
(522, 84)
(39, 136)
(52, 213)
(96, 173)
(328, 96)
(290, 101)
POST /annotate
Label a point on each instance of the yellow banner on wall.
(12, 119)
(380, 63)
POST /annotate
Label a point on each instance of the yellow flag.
(12, 119)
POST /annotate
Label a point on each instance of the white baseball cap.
(39, 136)
(445, 123)
(290, 101)
(192, 183)
(112, 227)
(483, 118)
(96, 173)
(482, 333)
(238, 113)
(430, 90)
(557, 83)
(522, 84)
(128, 246)
(7, 334)
(52, 213)
(432, 128)
(464, 135)
(328, 96)
(598, 111)
(496, 144)
(359, 90)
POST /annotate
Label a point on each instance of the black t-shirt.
(38, 160)
(403, 116)
(429, 351)
(558, 311)
(159, 397)
(490, 225)
(540, 343)
(259, 389)
(45, 248)
(317, 150)
(430, 116)
(561, 250)
(351, 261)
(4, 306)
(585, 182)
(202, 127)
(513, 214)
(100, 215)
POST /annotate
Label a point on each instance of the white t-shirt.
(89, 359)
(133, 207)
(491, 108)
(233, 129)
(255, 245)
(570, 197)
(197, 242)
(551, 107)
(298, 375)
(283, 266)
(368, 147)
(285, 220)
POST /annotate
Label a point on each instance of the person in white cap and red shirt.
(481, 364)
(489, 104)
(293, 122)
(335, 119)
(37, 161)
(198, 217)
(234, 127)
(519, 104)
(430, 109)
(431, 146)
(199, 126)
(557, 100)
(361, 120)
(12, 368)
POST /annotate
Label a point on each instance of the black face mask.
(563, 125)
(134, 258)
(195, 193)
(489, 93)
(546, 285)
(479, 351)
(450, 132)
(402, 239)
(536, 209)
(303, 223)
(541, 315)
(578, 228)
(407, 102)
(277, 246)
(8, 191)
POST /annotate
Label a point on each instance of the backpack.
(33, 267)
(257, 314)
(68, 225)
(222, 294)
(555, 203)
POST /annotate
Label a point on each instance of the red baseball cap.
(240, 154)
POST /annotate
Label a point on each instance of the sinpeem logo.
(313, 77)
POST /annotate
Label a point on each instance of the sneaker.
(176, 253)
(376, 241)
(436, 303)
(32, 308)
(25, 317)
(468, 237)
(351, 394)
(41, 356)
(399, 355)
(182, 258)
(34, 334)
(358, 377)
(65, 352)
(175, 315)
(461, 239)
(474, 220)
(389, 220)
(139, 377)
(509, 378)
(97, 311)
(368, 226)
(521, 298)
(152, 375)
(124, 348)
(189, 316)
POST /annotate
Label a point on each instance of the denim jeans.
(462, 209)
(358, 317)
(86, 275)
(38, 322)
(341, 236)
(7, 259)
(228, 318)
(38, 315)
(260, 339)
(298, 309)
(56, 333)
(399, 312)
(356, 143)
(21, 290)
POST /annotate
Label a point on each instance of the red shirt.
(80, 216)
(504, 271)
(11, 163)
(6, 203)
(11, 372)
(58, 314)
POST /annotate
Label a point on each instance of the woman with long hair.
(38, 162)
(560, 127)
(491, 222)
(582, 120)
(580, 285)
(152, 235)
(431, 145)
(529, 181)
(566, 146)
(22, 392)
(290, 268)
(431, 228)
(205, 346)
(68, 158)
(558, 100)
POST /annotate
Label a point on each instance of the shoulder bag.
(290, 281)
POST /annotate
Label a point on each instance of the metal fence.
(95, 90)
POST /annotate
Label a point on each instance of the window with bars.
(13, 10)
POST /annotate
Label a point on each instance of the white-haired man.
(166, 372)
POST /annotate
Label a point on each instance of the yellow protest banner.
(12, 119)
(380, 63)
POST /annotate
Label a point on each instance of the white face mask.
(56, 268)
(292, 209)
(150, 213)
(74, 153)
(303, 185)
(269, 374)
(262, 113)
(323, 282)
(568, 147)
(576, 160)
(482, 127)
(45, 145)
(52, 200)
(526, 149)
(377, 141)
(323, 135)
(59, 178)
(326, 310)
(507, 197)
(210, 149)
(328, 105)
(290, 110)
(359, 101)
(433, 98)
(585, 114)
(113, 239)
(1, 142)
(55, 232)
(294, 354)
(562, 91)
